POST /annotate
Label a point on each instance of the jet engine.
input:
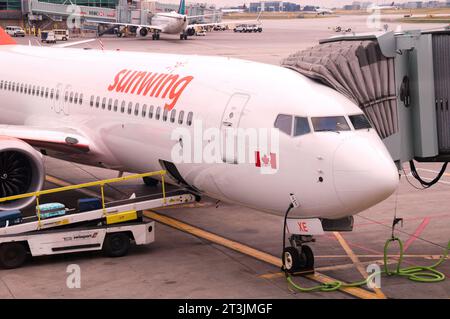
(190, 32)
(21, 171)
(142, 32)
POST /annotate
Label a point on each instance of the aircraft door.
(230, 123)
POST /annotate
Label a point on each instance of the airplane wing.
(56, 139)
(151, 27)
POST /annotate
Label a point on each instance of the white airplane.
(118, 110)
(320, 11)
(167, 22)
(392, 6)
(171, 23)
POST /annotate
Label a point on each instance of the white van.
(48, 37)
(15, 31)
(61, 34)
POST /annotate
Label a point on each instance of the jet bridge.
(400, 80)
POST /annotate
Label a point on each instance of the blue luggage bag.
(88, 204)
(51, 210)
(10, 217)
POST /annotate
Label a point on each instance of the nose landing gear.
(298, 257)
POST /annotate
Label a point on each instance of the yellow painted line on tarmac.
(236, 246)
(252, 252)
(356, 261)
(326, 268)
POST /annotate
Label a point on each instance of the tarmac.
(210, 250)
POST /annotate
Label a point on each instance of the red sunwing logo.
(168, 87)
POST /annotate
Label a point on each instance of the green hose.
(414, 273)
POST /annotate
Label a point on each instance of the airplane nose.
(364, 174)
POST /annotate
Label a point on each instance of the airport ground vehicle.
(61, 34)
(248, 28)
(93, 225)
(15, 31)
(220, 28)
(48, 37)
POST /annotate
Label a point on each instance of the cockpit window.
(330, 123)
(301, 126)
(360, 122)
(284, 123)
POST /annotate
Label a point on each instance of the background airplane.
(391, 6)
(168, 23)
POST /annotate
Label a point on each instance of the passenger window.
(75, 98)
(144, 110)
(301, 126)
(34, 90)
(21, 88)
(330, 123)
(158, 113)
(104, 103)
(81, 98)
(122, 107)
(173, 115)
(57, 94)
(66, 96)
(1, 85)
(42, 91)
(189, 118)
(97, 102)
(52, 92)
(110, 104)
(150, 112)
(360, 122)
(130, 107)
(136, 109)
(165, 114)
(116, 105)
(92, 101)
(14, 87)
(71, 97)
(284, 123)
(181, 118)
(46, 93)
(9, 86)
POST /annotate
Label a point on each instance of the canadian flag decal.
(266, 161)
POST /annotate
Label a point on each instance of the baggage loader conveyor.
(111, 228)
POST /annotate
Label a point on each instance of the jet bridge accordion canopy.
(358, 70)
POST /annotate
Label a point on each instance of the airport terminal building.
(35, 12)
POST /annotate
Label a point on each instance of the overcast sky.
(324, 3)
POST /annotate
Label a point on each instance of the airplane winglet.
(5, 39)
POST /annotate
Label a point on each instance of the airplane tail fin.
(182, 8)
(5, 39)
(393, 2)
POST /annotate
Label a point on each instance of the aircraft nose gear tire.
(298, 260)
(183, 36)
(155, 36)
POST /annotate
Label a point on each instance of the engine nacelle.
(190, 32)
(21, 171)
(142, 32)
